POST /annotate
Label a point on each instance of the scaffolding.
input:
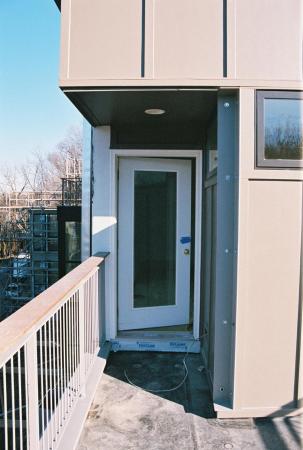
(71, 191)
(73, 168)
(14, 202)
(44, 252)
(72, 183)
(29, 239)
(30, 264)
(28, 247)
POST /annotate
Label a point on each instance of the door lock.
(186, 251)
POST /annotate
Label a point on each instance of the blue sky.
(34, 113)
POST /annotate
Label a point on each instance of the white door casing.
(130, 317)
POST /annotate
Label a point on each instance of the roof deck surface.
(124, 417)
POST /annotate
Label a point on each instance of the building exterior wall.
(174, 52)
(268, 39)
(272, 300)
(95, 28)
(181, 42)
(236, 44)
(268, 279)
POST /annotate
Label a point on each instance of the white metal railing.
(47, 349)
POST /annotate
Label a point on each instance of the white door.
(154, 234)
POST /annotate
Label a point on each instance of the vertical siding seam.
(91, 188)
(143, 40)
(224, 38)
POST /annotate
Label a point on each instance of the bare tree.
(42, 172)
(11, 179)
(69, 148)
(37, 174)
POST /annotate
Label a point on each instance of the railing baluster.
(50, 380)
(73, 346)
(89, 327)
(81, 341)
(57, 377)
(85, 324)
(13, 404)
(93, 317)
(20, 402)
(71, 350)
(5, 408)
(32, 406)
(97, 308)
(64, 361)
(90, 321)
(46, 386)
(86, 310)
(54, 413)
(42, 386)
(69, 355)
(84, 320)
(77, 342)
(61, 368)
(95, 311)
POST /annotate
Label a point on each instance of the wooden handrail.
(27, 318)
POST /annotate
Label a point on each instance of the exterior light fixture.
(155, 111)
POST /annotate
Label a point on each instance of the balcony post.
(82, 341)
(32, 405)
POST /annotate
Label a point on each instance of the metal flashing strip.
(156, 345)
(139, 89)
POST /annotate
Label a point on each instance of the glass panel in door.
(155, 200)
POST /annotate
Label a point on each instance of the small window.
(279, 129)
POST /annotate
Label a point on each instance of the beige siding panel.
(269, 39)
(269, 330)
(104, 39)
(188, 39)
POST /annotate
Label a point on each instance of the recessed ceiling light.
(154, 111)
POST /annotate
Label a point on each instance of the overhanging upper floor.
(119, 56)
(143, 43)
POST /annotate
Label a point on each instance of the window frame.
(261, 161)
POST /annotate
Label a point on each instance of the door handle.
(186, 251)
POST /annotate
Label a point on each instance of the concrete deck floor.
(124, 417)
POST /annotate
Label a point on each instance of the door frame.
(111, 279)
